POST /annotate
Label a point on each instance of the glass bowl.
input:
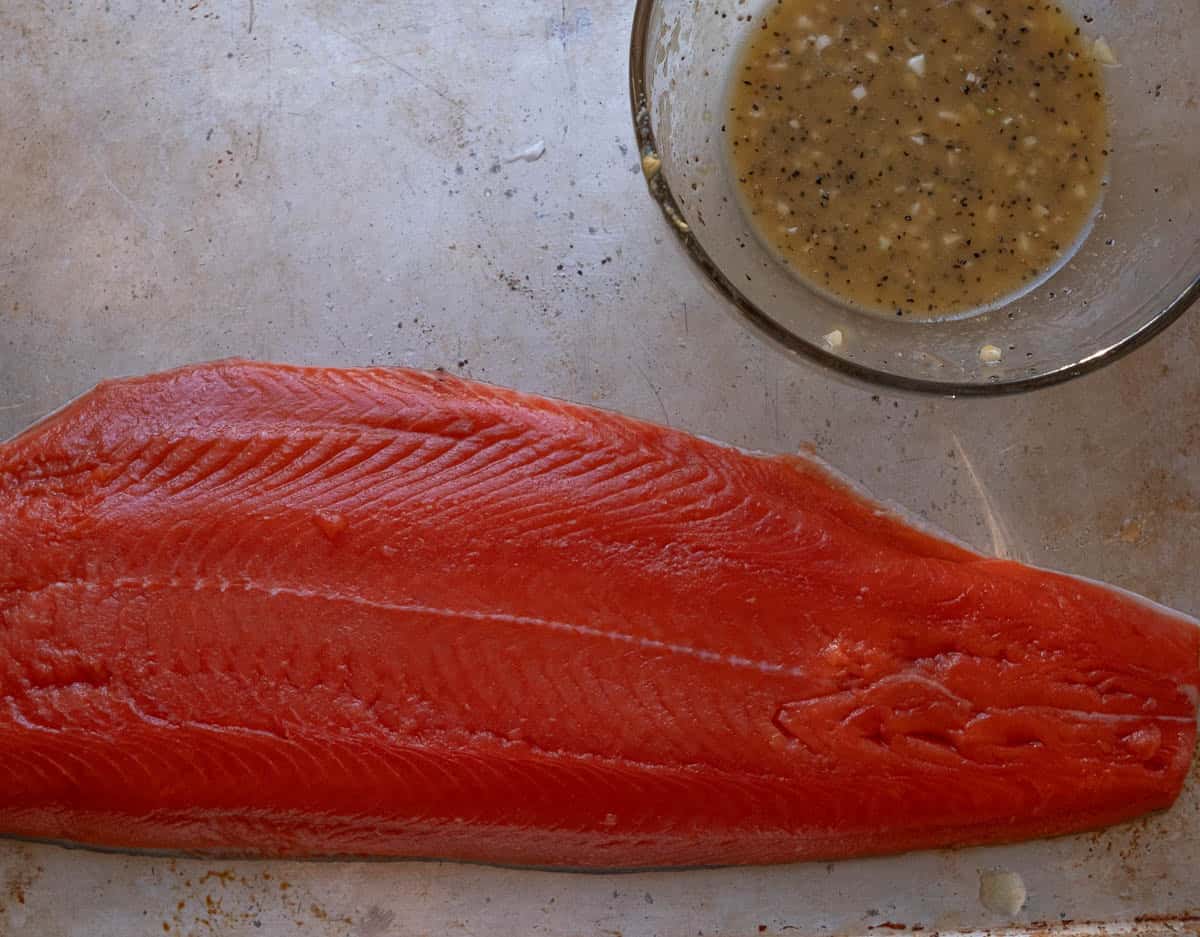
(1136, 271)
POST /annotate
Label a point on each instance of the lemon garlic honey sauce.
(922, 159)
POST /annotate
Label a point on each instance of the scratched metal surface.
(354, 181)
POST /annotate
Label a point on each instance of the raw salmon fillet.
(255, 609)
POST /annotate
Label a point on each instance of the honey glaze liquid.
(923, 158)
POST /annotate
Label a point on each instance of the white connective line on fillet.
(715, 657)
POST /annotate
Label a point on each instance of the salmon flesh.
(267, 610)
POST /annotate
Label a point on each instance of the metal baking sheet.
(323, 181)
